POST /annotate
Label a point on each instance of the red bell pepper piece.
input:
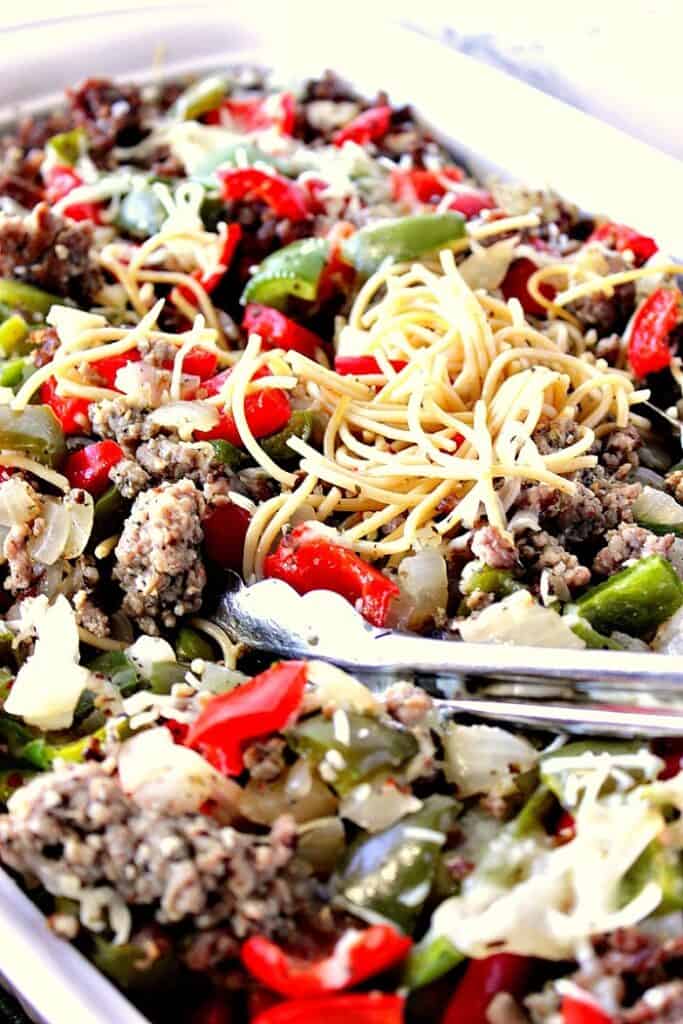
(372, 951)
(419, 186)
(308, 561)
(210, 280)
(284, 197)
(483, 979)
(198, 362)
(264, 705)
(565, 829)
(279, 331)
(61, 180)
(370, 1008)
(109, 366)
(225, 528)
(369, 126)
(71, 412)
(358, 366)
(671, 752)
(89, 467)
(338, 275)
(514, 286)
(621, 237)
(648, 346)
(471, 203)
(252, 115)
(267, 412)
(583, 1011)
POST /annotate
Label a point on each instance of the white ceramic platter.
(493, 121)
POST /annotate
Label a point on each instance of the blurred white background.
(618, 59)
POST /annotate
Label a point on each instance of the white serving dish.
(494, 122)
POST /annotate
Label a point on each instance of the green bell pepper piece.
(490, 581)
(300, 425)
(111, 509)
(190, 644)
(30, 747)
(391, 873)
(12, 373)
(430, 960)
(67, 147)
(290, 272)
(6, 677)
(556, 781)
(119, 669)
(530, 819)
(372, 747)
(35, 431)
(165, 674)
(226, 454)
(401, 239)
(583, 629)
(18, 295)
(141, 213)
(13, 334)
(635, 600)
(200, 98)
(660, 864)
(130, 966)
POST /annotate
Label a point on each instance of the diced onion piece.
(49, 545)
(518, 619)
(263, 804)
(481, 757)
(186, 417)
(147, 650)
(81, 510)
(19, 503)
(49, 684)
(219, 679)
(655, 508)
(337, 689)
(487, 266)
(71, 323)
(377, 805)
(163, 776)
(423, 581)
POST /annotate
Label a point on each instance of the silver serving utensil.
(661, 419)
(271, 616)
(591, 719)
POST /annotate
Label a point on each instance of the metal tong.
(271, 616)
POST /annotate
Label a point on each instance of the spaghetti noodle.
(449, 428)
